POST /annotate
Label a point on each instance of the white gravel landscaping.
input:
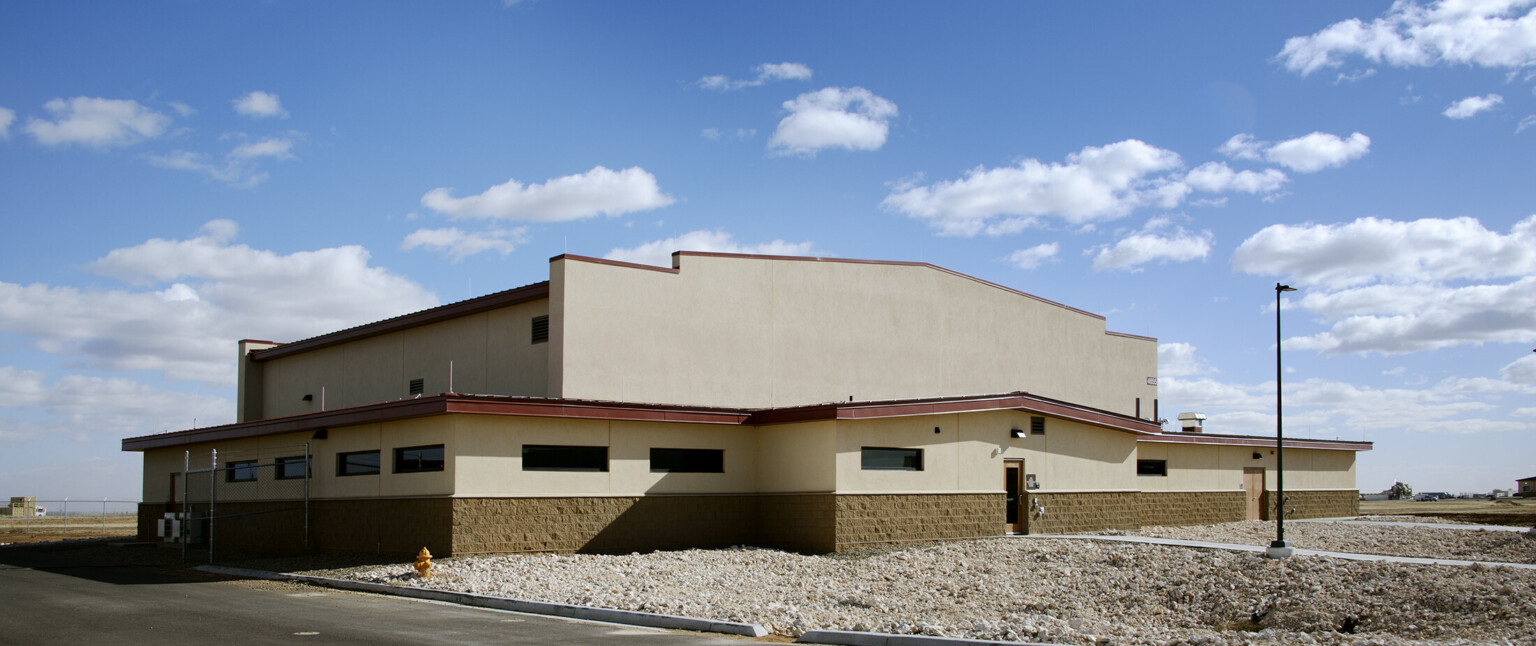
(1058, 591)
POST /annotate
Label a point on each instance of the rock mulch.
(1426, 542)
(1053, 591)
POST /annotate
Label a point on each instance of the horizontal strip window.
(1152, 467)
(687, 461)
(241, 471)
(874, 458)
(293, 468)
(416, 459)
(552, 457)
(357, 463)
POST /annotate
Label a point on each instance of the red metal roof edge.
(450, 403)
(1255, 440)
(957, 404)
(531, 292)
(443, 404)
(615, 263)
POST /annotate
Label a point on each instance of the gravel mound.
(1054, 591)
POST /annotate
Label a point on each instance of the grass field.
(56, 528)
(1501, 511)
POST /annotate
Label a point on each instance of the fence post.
(307, 469)
(186, 505)
(213, 485)
(64, 513)
(103, 516)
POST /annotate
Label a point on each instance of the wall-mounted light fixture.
(308, 397)
(1018, 432)
(1258, 456)
(320, 435)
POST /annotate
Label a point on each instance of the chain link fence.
(248, 503)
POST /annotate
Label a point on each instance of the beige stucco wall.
(489, 451)
(968, 454)
(489, 353)
(758, 332)
(1196, 467)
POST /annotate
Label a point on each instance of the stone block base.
(1314, 503)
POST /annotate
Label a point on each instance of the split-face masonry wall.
(811, 523)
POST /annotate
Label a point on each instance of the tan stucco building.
(802, 403)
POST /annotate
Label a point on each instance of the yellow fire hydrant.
(424, 563)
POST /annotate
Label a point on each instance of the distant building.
(1526, 487)
(803, 403)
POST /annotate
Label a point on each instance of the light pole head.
(1284, 288)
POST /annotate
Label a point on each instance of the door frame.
(1253, 492)
(1013, 478)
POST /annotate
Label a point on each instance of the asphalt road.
(54, 598)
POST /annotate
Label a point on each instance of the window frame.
(235, 471)
(548, 449)
(280, 468)
(866, 452)
(688, 460)
(1148, 471)
(423, 465)
(341, 464)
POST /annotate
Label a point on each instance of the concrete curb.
(851, 638)
(609, 615)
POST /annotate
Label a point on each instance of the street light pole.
(1279, 549)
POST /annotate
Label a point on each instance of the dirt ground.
(1514, 512)
(40, 530)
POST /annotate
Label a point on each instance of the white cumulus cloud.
(1393, 287)
(1180, 360)
(459, 245)
(1159, 241)
(1371, 249)
(1096, 183)
(1487, 33)
(849, 118)
(765, 73)
(1217, 177)
(240, 167)
(189, 301)
(97, 122)
(1470, 106)
(1034, 256)
(260, 105)
(7, 117)
(659, 252)
(1317, 151)
(599, 191)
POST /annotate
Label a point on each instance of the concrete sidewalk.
(1356, 520)
(1237, 547)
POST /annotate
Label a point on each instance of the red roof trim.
(441, 405)
(615, 263)
(526, 293)
(966, 404)
(1254, 440)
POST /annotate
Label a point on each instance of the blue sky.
(175, 176)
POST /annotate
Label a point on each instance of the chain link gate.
(246, 503)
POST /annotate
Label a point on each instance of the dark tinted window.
(687, 461)
(291, 468)
(886, 459)
(414, 459)
(357, 463)
(242, 471)
(1151, 467)
(548, 457)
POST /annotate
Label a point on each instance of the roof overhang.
(1253, 440)
(449, 404)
